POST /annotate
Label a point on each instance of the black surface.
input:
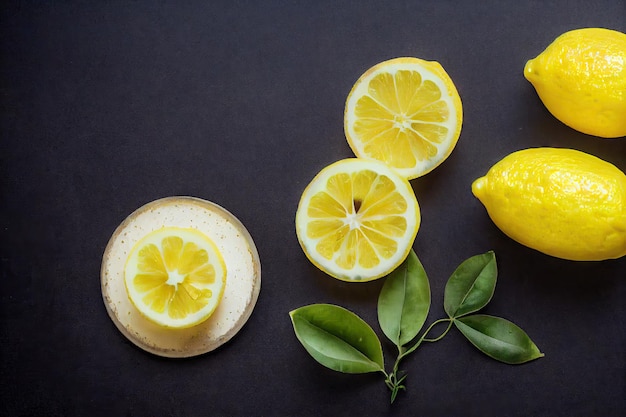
(109, 105)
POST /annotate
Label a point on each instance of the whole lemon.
(562, 202)
(581, 79)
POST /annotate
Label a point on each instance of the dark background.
(109, 105)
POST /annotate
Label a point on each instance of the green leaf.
(498, 338)
(338, 338)
(471, 286)
(404, 301)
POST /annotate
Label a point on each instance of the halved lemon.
(357, 219)
(405, 112)
(175, 277)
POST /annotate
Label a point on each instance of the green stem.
(436, 339)
(423, 338)
(391, 379)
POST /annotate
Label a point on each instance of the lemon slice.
(175, 277)
(405, 112)
(357, 219)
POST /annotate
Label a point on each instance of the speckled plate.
(243, 281)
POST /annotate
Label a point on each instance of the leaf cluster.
(340, 340)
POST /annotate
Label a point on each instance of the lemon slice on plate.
(180, 276)
(357, 219)
(405, 112)
(175, 277)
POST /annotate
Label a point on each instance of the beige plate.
(243, 280)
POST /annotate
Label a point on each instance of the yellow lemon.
(405, 112)
(581, 79)
(175, 277)
(357, 219)
(562, 202)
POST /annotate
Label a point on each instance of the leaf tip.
(292, 315)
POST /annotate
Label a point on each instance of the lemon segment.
(562, 202)
(405, 112)
(357, 219)
(581, 79)
(175, 277)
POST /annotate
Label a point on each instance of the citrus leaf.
(471, 286)
(404, 301)
(338, 338)
(498, 338)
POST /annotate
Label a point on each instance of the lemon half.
(357, 219)
(405, 112)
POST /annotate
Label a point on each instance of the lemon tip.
(478, 186)
(530, 72)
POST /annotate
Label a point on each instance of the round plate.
(243, 279)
